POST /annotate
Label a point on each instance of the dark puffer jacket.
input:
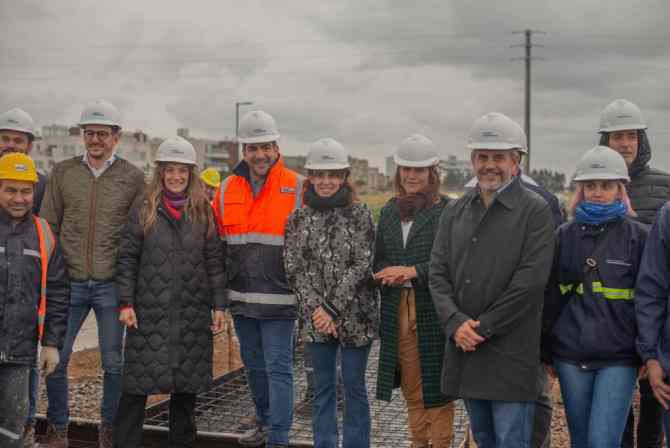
(649, 188)
(173, 277)
(20, 273)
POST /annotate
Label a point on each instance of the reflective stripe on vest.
(261, 298)
(259, 238)
(47, 246)
(597, 287)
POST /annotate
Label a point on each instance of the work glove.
(49, 360)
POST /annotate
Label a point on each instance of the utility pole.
(528, 45)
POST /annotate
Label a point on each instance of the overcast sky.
(367, 73)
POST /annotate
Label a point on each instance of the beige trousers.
(434, 425)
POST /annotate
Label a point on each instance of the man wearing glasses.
(87, 202)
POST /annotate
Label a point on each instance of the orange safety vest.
(256, 226)
(47, 247)
(244, 219)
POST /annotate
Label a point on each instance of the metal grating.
(221, 409)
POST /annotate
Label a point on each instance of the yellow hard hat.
(17, 166)
(211, 177)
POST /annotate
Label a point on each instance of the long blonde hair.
(579, 197)
(197, 208)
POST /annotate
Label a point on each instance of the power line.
(528, 45)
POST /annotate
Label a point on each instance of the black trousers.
(650, 426)
(13, 404)
(130, 418)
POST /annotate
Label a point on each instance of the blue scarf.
(597, 214)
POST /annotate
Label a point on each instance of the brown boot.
(104, 436)
(29, 435)
(55, 438)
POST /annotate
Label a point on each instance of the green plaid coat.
(389, 251)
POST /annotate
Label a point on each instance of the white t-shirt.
(406, 226)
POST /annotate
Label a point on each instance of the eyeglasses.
(102, 135)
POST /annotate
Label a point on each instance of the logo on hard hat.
(20, 167)
(98, 114)
(12, 121)
(490, 134)
(259, 131)
(177, 151)
(596, 166)
(327, 157)
(624, 116)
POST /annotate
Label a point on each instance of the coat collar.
(242, 169)
(508, 197)
(422, 218)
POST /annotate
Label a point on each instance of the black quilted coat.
(174, 278)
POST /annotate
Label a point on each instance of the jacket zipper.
(91, 230)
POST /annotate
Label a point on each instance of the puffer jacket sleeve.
(215, 265)
(295, 264)
(441, 285)
(359, 272)
(130, 251)
(58, 301)
(653, 286)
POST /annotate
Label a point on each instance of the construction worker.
(17, 133)
(412, 340)
(489, 296)
(328, 258)
(87, 202)
(212, 179)
(33, 276)
(652, 292)
(623, 128)
(252, 207)
(589, 328)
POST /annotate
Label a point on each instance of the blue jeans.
(501, 424)
(266, 348)
(356, 425)
(597, 402)
(103, 298)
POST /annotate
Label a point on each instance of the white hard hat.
(495, 131)
(601, 163)
(416, 151)
(521, 140)
(178, 150)
(621, 115)
(100, 112)
(258, 127)
(17, 120)
(327, 154)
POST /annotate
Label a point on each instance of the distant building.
(390, 167)
(58, 143)
(219, 154)
(295, 163)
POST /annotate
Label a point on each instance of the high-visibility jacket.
(589, 312)
(253, 229)
(34, 289)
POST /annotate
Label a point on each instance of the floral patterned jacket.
(328, 259)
